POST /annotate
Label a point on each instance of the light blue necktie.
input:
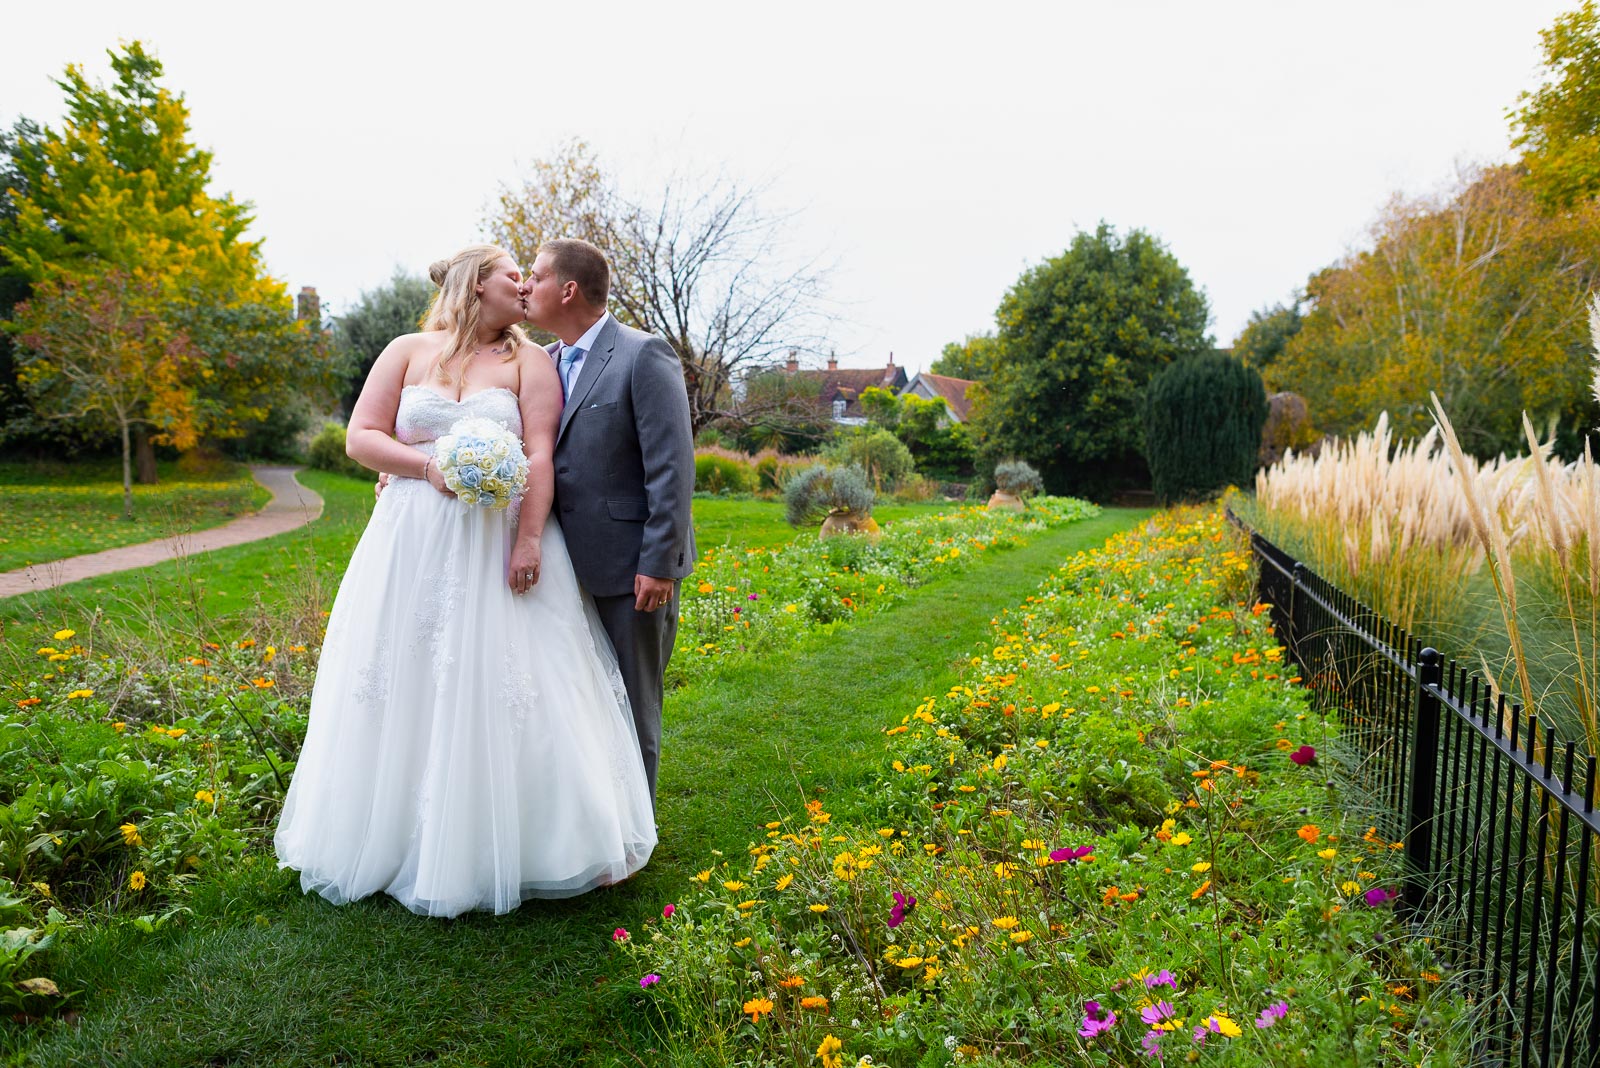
(570, 354)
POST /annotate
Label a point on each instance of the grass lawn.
(260, 975)
(53, 511)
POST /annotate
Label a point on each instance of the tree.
(380, 316)
(972, 359)
(1079, 338)
(120, 187)
(98, 349)
(1559, 124)
(1477, 295)
(1266, 335)
(1202, 426)
(942, 448)
(881, 406)
(701, 264)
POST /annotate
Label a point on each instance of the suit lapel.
(594, 362)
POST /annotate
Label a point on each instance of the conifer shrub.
(1202, 426)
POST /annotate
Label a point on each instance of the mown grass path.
(263, 976)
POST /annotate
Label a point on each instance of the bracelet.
(425, 465)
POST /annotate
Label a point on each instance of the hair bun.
(437, 270)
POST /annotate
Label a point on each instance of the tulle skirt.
(468, 747)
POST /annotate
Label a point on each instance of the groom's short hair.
(578, 261)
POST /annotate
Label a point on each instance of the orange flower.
(790, 982)
(1310, 832)
(27, 702)
(1203, 888)
(757, 1008)
(815, 1001)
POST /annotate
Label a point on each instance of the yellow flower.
(741, 943)
(909, 962)
(706, 587)
(136, 881)
(703, 876)
(75, 694)
(784, 881)
(47, 651)
(1005, 923)
(205, 797)
(757, 1008)
(1181, 838)
(1021, 936)
(176, 732)
(791, 609)
(1327, 854)
(130, 835)
(63, 635)
(1227, 1027)
(1350, 888)
(828, 1052)
(818, 907)
(746, 906)
(733, 885)
(270, 653)
(1204, 865)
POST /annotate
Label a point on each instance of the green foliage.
(820, 491)
(779, 411)
(326, 453)
(1477, 295)
(973, 359)
(1017, 477)
(1202, 422)
(1080, 336)
(1558, 126)
(1266, 335)
(882, 406)
(722, 472)
(942, 448)
(378, 317)
(875, 451)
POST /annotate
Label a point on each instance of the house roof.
(848, 383)
(953, 391)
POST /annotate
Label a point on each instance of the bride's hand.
(525, 560)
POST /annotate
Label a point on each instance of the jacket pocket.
(629, 511)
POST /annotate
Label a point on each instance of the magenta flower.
(1304, 755)
(649, 981)
(1096, 1019)
(753, 597)
(619, 935)
(666, 913)
(1379, 895)
(903, 903)
(1071, 856)
(1272, 1014)
(1152, 1044)
(1156, 1014)
(1161, 978)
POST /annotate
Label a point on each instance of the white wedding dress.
(468, 747)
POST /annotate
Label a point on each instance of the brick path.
(292, 506)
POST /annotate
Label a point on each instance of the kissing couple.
(486, 718)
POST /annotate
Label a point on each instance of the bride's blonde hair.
(455, 307)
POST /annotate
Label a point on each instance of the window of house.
(838, 409)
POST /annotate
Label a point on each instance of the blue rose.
(469, 477)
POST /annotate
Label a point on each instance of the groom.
(624, 464)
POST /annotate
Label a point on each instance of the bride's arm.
(539, 397)
(369, 439)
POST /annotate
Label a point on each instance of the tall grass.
(1417, 530)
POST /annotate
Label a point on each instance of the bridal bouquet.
(482, 461)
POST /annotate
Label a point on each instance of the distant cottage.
(839, 389)
(953, 391)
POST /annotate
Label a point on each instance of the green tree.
(1202, 426)
(121, 187)
(942, 448)
(1081, 336)
(380, 316)
(881, 406)
(1477, 295)
(1558, 125)
(1266, 335)
(972, 359)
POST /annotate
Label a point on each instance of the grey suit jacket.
(624, 464)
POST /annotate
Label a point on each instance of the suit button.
(561, 470)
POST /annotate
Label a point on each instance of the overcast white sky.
(933, 151)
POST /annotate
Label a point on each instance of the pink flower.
(666, 913)
(1304, 755)
(1157, 1014)
(1272, 1014)
(753, 597)
(1161, 978)
(619, 935)
(1152, 1044)
(1379, 895)
(1071, 856)
(903, 903)
(1096, 1019)
(649, 981)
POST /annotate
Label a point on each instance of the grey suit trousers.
(643, 641)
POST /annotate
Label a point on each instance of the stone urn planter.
(1008, 502)
(848, 523)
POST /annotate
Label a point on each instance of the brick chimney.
(793, 363)
(833, 362)
(309, 306)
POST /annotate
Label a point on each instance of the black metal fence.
(1497, 816)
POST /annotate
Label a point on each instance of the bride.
(470, 744)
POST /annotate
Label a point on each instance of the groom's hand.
(650, 593)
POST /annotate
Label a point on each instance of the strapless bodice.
(426, 416)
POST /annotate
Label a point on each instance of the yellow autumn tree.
(1477, 295)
